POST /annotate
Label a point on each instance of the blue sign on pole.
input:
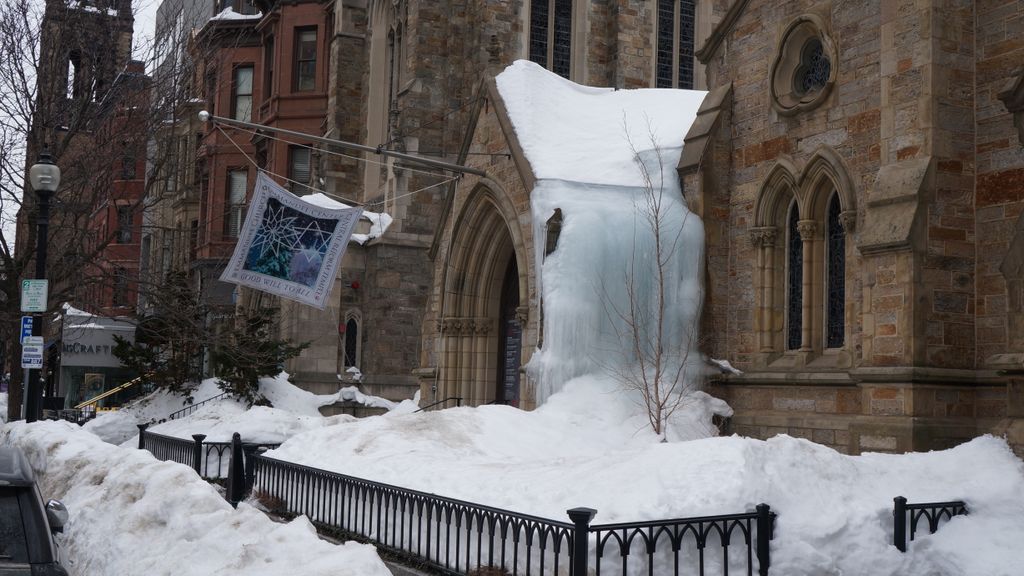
(26, 327)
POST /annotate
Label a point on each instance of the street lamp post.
(44, 176)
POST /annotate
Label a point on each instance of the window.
(211, 92)
(241, 93)
(814, 69)
(803, 72)
(351, 337)
(801, 221)
(234, 212)
(794, 280)
(835, 321)
(120, 293)
(123, 235)
(193, 236)
(268, 67)
(674, 67)
(299, 167)
(128, 168)
(305, 59)
(551, 34)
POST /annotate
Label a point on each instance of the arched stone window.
(800, 281)
(674, 54)
(551, 24)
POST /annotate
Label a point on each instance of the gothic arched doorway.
(481, 324)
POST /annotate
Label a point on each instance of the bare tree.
(658, 363)
(68, 86)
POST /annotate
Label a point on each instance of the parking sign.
(26, 327)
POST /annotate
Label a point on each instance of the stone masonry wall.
(999, 162)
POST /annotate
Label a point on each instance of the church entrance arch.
(482, 317)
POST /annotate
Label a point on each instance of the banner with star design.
(290, 247)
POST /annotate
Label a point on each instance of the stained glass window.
(351, 342)
(794, 281)
(562, 41)
(666, 30)
(539, 32)
(835, 323)
(814, 69)
(674, 55)
(551, 34)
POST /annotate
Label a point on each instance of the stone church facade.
(861, 178)
(858, 167)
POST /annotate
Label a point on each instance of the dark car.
(27, 528)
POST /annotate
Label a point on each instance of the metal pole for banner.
(205, 116)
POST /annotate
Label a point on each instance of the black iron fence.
(456, 537)
(211, 460)
(933, 512)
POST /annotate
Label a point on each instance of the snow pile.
(379, 221)
(3, 407)
(294, 410)
(603, 158)
(591, 135)
(583, 449)
(131, 514)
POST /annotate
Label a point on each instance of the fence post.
(236, 471)
(764, 537)
(581, 518)
(899, 523)
(249, 450)
(142, 435)
(197, 453)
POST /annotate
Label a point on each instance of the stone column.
(763, 239)
(807, 230)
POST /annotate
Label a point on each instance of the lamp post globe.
(44, 177)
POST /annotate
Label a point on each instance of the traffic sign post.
(33, 295)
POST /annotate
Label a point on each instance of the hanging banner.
(289, 247)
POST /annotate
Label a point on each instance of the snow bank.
(131, 514)
(582, 448)
(294, 410)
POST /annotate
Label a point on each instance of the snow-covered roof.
(229, 14)
(583, 134)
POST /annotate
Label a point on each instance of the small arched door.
(510, 338)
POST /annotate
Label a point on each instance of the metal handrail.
(194, 406)
(112, 391)
(458, 402)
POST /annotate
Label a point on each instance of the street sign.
(26, 327)
(33, 295)
(32, 352)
